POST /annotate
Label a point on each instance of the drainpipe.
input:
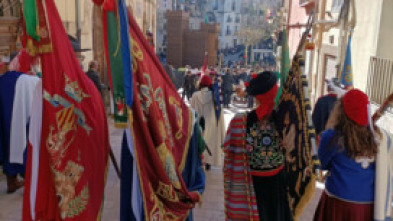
(78, 21)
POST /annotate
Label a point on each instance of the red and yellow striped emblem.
(66, 119)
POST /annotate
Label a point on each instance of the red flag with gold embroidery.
(67, 162)
(162, 126)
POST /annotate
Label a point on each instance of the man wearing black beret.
(257, 185)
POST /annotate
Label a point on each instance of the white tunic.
(202, 102)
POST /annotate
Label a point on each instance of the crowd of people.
(350, 145)
(232, 83)
(354, 151)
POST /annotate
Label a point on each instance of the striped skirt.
(331, 208)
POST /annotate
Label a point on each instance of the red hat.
(247, 84)
(206, 81)
(355, 106)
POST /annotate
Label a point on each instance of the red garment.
(162, 125)
(331, 208)
(267, 102)
(267, 173)
(74, 149)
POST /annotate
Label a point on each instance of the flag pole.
(381, 110)
(114, 161)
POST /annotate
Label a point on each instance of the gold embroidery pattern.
(57, 142)
(168, 162)
(179, 114)
(70, 204)
(145, 96)
(159, 96)
(73, 90)
(167, 192)
(137, 55)
(158, 213)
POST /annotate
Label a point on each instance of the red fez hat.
(206, 81)
(355, 106)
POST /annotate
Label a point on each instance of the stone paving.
(211, 209)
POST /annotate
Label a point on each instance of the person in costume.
(322, 110)
(8, 80)
(203, 103)
(348, 151)
(254, 175)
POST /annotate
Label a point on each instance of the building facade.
(371, 48)
(9, 26)
(162, 7)
(228, 14)
(372, 51)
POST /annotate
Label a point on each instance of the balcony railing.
(380, 79)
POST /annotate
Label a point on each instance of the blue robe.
(7, 93)
(127, 173)
(193, 174)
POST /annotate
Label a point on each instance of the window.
(228, 31)
(229, 19)
(234, 42)
(237, 19)
(336, 5)
(215, 7)
(235, 29)
(234, 6)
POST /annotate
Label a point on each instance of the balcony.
(304, 3)
(380, 79)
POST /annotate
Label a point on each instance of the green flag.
(206, 18)
(285, 64)
(31, 18)
(116, 69)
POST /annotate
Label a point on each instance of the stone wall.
(8, 34)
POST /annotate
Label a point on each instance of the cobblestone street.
(211, 209)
